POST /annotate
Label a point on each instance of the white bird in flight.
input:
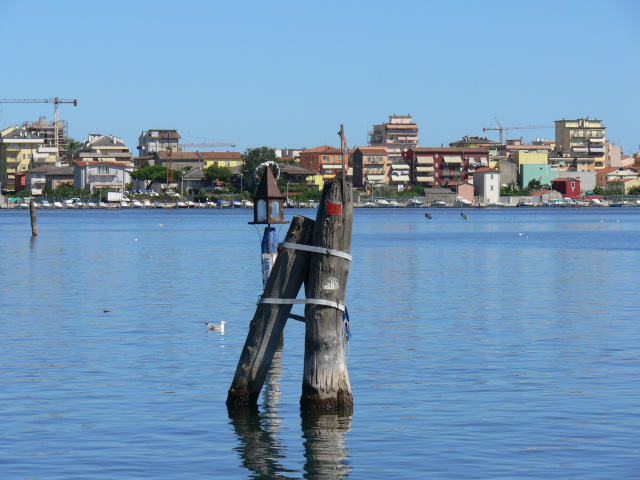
(214, 327)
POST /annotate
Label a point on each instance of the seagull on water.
(214, 327)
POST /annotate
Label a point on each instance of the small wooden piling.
(286, 278)
(34, 221)
(325, 382)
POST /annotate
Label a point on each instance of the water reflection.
(261, 450)
(324, 446)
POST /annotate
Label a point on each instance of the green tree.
(214, 172)
(251, 158)
(534, 184)
(154, 174)
(634, 190)
(70, 149)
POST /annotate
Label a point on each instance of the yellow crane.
(56, 101)
(501, 128)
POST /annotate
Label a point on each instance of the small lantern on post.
(268, 209)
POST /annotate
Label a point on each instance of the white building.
(96, 175)
(486, 185)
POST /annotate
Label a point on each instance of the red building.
(325, 160)
(434, 167)
(568, 187)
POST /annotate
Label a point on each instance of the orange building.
(325, 160)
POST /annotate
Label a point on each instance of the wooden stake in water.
(325, 382)
(265, 331)
(34, 222)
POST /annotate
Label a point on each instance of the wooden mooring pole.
(265, 331)
(34, 221)
(325, 382)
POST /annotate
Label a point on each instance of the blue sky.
(288, 73)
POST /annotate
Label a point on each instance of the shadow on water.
(263, 453)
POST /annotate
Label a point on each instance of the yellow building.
(222, 159)
(583, 136)
(521, 157)
(19, 151)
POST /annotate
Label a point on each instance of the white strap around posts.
(301, 301)
(309, 248)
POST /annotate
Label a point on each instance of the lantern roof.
(268, 186)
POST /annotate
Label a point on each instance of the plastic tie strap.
(310, 248)
(302, 301)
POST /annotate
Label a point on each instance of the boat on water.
(595, 202)
(438, 204)
(90, 204)
(45, 204)
(462, 202)
(147, 204)
(236, 204)
(523, 203)
(496, 205)
(136, 204)
(369, 205)
(222, 203)
(382, 203)
(247, 203)
(182, 204)
(57, 204)
(414, 203)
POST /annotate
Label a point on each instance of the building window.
(103, 168)
(573, 185)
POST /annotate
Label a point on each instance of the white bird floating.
(214, 327)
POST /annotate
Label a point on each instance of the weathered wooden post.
(325, 383)
(34, 221)
(288, 273)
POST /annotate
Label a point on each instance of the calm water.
(476, 352)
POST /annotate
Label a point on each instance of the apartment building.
(325, 160)
(19, 151)
(434, 167)
(103, 148)
(398, 135)
(583, 136)
(370, 165)
(157, 140)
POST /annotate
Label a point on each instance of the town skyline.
(287, 75)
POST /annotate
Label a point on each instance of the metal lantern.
(268, 203)
(268, 209)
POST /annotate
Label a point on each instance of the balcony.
(452, 173)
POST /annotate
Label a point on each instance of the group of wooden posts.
(323, 271)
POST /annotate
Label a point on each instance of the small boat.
(393, 203)
(369, 205)
(182, 205)
(147, 204)
(222, 203)
(414, 203)
(46, 204)
(462, 202)
(90, 204)
(57, 204)
(595, 202)
(495, 205)
(247, 204)
(523, 203)
(382, 203)
(191, 204)
(236, 204)
(136, 204)
(438, 204)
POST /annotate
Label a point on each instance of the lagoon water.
(502, 346)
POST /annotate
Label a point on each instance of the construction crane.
(187, 145)
(56, 101)
(501, 128)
